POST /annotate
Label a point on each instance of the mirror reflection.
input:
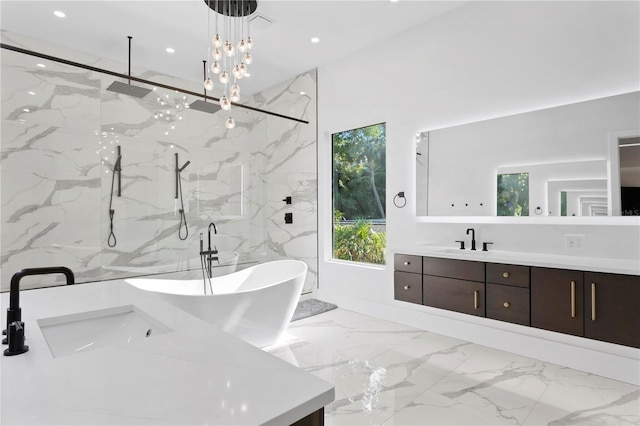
(581, 159)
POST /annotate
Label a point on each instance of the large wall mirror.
(581, 159)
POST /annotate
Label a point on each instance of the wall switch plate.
(574, 241)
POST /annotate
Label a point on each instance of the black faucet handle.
(461, 244)
(484, 246)
(15, 336)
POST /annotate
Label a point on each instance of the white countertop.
(191, 375)
(618, 266)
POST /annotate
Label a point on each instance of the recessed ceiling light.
(315, 40)
(170, 50)
(31, 92)
(25, 109)
(59, 14)
(393, 1)
(41, 65)
(303, 93)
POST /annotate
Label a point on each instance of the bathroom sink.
(85, 331)
(464, 252)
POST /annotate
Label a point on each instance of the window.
(359, 187)
(513, 194)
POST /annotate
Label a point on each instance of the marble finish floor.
(391, 374)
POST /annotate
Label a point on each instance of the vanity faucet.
(473, 238)
(15, 326)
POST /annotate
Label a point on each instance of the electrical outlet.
(574, 241)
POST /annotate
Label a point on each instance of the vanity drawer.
(516, 275)
(407, 287)
(507, 303)
(407, 263)
(453, 268)
(453, 295)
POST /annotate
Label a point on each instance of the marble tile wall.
(59, 147)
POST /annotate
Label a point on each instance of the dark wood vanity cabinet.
(508, 293)
(594, 305)
(612, 308)
(407, 278)
(557, 300)
(455, 285)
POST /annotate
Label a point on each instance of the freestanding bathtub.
(255, 304)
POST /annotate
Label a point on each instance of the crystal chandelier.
(230, 48)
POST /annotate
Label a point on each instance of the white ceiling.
(282, 49)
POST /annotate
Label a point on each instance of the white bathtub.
(255, 304)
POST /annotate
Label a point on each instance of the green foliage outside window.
(359, 188)
(513, 194)
(358, 241)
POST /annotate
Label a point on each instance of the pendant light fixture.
(230, 48)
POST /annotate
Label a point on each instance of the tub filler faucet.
(209, 255)
(15, 326)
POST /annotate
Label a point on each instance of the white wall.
(482, 60)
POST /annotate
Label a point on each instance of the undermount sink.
(85, 331)
(458, 251)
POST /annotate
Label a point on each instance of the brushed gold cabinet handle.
(506, 304)
(407, 263)
(407, 287)
(593, 301)
(573, 299)
(505, 274)
(475, 299)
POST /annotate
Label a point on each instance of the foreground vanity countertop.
(190, 375)
(617, 266)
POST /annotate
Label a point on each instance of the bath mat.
(311, 307)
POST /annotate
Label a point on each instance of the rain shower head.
(203, 106)
(127, 88)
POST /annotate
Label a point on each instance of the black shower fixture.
(183, 216)
(205, 106)
(128, 88)
(178, 171)
(117, 170)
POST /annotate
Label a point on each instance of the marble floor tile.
(426, 359)
(368, 394)
(433, 409)
(576, 397)
(497, 382)
(390, 374)
(356, 335)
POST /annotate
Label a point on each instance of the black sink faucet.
(15, 326)
(473, 238)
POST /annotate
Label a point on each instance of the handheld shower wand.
(117, 169)
(183, 217)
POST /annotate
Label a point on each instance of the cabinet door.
(454, 295)
(557, 300)
(612, 308)
(407, 287)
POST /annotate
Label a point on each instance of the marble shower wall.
(59, 147)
